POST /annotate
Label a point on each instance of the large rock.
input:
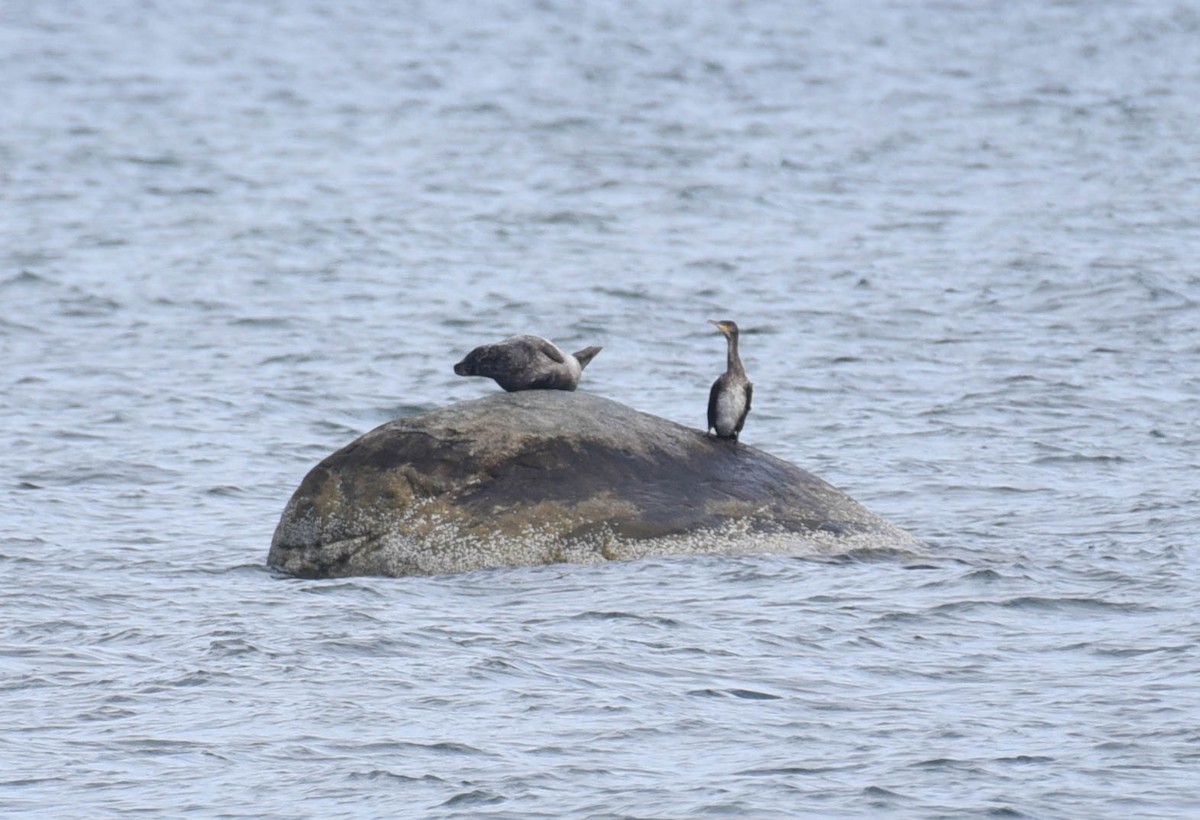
(546, 476)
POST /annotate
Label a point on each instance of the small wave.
(1128, 652)
(87, 306)
(445, 747)
(33, 781)
(475, 797)
(474, 108)
(1024, 760)
(160, 746)
(1040, 603)
(25, 279)
(1080, 458)
(231, 647)
(625, 616)
(751, 694)
(197, 190)
(638, 294)
(776, 771)
(262, 321)
(255, 569)
(568, 123)
(383, 774)
(120, 476)
(9, 326)
(946, 763)
(288, 358)
(160, 161)
(573, 218)
(355, 585)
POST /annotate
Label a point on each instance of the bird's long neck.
(733, 362)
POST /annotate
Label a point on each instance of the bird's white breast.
(729, 409)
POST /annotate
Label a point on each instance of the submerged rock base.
(547, 476)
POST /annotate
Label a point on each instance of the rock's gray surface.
(546, 476)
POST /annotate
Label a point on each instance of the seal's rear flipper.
(586, 355)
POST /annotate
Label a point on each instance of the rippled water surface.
(961, 240)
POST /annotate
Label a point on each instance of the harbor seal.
(527, 362)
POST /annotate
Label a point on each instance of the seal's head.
(467, 367)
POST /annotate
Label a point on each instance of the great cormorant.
(729, 398)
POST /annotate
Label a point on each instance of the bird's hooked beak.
(721, 326)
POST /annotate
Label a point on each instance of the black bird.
(729, 399)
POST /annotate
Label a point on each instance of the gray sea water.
(961, 240)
